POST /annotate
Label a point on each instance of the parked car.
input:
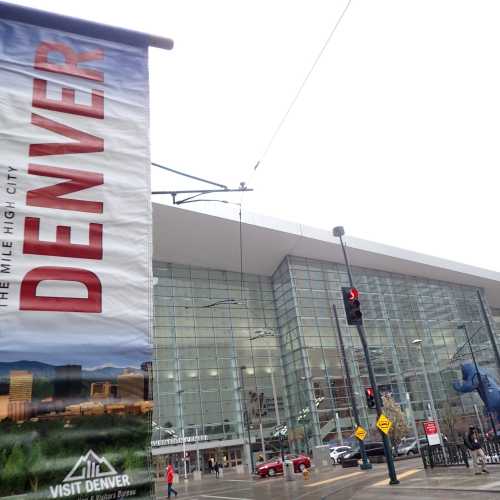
(336, 453)
(275, 466)
(408, 446)
(372, 450)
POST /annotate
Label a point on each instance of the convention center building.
(246, 345)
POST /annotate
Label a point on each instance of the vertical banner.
(75, 266)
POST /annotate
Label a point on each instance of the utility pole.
(366, 464)
(339, 232)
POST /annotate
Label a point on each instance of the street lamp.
(339, 232)
(261, 431)
(246, 419)
(482, 388)
(258, 334)
(269, 333)
(419, 344)
(180, 392)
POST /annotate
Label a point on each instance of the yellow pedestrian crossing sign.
(384, 424)
(360, 433)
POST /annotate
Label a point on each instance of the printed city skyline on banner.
(75, 266)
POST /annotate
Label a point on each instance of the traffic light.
(352, 306)
(370, 397)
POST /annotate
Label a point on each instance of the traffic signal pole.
(378, 405)
(366, 464)
(339, 232)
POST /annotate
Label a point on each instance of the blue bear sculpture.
(489, 393)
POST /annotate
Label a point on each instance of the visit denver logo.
(90, 474)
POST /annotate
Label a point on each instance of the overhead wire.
(456, 356)
(282, 122)
(302, 85)
(299, 90)
(280, 126)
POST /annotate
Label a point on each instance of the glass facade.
(218, 368)
(397, 309)
(238, 355)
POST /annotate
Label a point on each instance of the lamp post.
(261, 430)
(412, 420)
(418, 343)
(270, 333)
(180, 392)
(339, 232)
(246, 420)
(481, 386)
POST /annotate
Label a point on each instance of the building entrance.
(227, 457)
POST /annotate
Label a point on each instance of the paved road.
(454, 483)
(332, 484)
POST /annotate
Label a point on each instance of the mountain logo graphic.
(90, 466)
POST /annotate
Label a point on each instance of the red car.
(275, 466)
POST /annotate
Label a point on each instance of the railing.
(453, 454)
(445, 456)
(492, 451)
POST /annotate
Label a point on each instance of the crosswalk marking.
(400, 476)
(225, 498)
(333, 479)
(486, 486)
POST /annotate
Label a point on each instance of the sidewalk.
(449, 479)
(455, 483)
(337, 481)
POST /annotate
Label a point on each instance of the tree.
(450, 422)
(34, 465)
(133, 459)
(12, 477)
(393, 412)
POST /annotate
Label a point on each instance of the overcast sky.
(395, 135)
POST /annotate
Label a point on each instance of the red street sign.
(432, 432)
(430, 427)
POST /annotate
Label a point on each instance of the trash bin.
(288, 471)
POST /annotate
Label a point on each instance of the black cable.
(464, 345)
(241, 255)
(302, 85)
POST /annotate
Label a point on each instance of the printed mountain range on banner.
(46, 370)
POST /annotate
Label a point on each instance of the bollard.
(288, 472)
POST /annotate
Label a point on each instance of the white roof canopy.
(212, 241)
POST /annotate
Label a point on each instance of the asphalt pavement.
(333, 483)
(337, 483)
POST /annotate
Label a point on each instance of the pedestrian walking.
(216, 468)
(210, 465)
(170, 480)
(472, 442)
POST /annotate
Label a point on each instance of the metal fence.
(453, 454)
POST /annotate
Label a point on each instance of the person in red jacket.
(170, 480)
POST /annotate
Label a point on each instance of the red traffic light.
(353, 294)
(369, 391)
